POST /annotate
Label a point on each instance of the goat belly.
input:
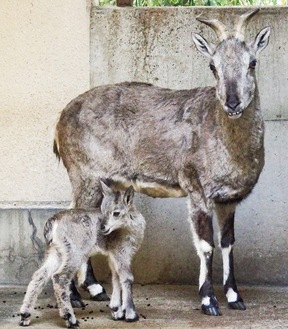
(160, 191)
(153, 189)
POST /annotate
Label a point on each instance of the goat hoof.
(25, 319)
(237, 305)
(24, 323)
(210, 307)
(73, 325)
(77, 303)
(211, 310)
(102, 297)
(69, 324)
(132, 319)
(118, 316)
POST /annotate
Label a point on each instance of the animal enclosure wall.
(144, 44)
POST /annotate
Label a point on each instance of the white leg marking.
(226, 263)
(202, 247)
(206, 301)
(205, 246)
(95, 289)
(231, 295)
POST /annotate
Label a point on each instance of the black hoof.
(102, 297)
(237, 305)
(211, 310)
(210, 306)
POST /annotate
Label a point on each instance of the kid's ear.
(129, 195)
(106, 190)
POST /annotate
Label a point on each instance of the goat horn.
(241, 23)
(219, 28)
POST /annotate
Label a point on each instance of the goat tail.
(56, 145)
(56, 150)
(48, 229)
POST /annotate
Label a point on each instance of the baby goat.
(73, 235)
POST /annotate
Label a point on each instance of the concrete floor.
(159, 306)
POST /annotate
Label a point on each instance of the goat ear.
(203, 45)
(261, 40)
(106, 190)
(129, 195)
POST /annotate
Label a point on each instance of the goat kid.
(72, 236)
(204, 143)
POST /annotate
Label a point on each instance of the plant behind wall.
(160, 3)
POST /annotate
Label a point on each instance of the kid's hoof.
(25, 319)
(24, 323)
(237, 305)
(102, 297)
(132, 319)
(73, 325)
(71, 321)
(118, 316)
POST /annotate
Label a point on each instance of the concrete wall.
(154, 45)
(45, 63)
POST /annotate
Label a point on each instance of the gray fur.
(72, 236)
(204, 143)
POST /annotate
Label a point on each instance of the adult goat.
(204, 143)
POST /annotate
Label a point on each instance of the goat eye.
(116, 213)
(212, 67)
(252, 64)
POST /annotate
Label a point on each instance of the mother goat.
(204, 143)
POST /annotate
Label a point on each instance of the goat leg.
(226, 215)
(202, 230)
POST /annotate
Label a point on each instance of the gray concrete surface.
(159, 306)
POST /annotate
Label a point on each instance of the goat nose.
(102, 227)
(232, 105)
(232, 102)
